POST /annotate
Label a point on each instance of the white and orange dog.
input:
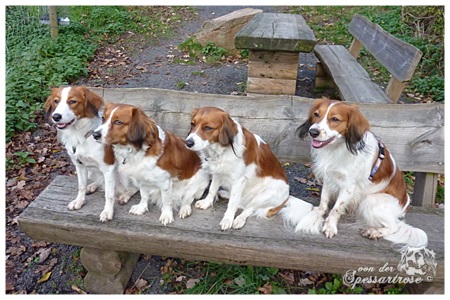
(155, 160)
(357, 172)
(75, 111)
(241, 163)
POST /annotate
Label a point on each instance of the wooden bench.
(351, 79)
(274, 41)
(339, 67)
(110, 250)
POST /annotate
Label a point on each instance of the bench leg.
(323, 80)
(108, 271)
(425, 187)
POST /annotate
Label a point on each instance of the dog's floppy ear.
(137, 133)
(49, 104)
(357, 127)
(93, 103)
(228, 130)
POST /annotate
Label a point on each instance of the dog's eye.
(207, 128)
(72, 101)
(118, 122)
(103, 119)
(56, 101)
(334, 119)
(316, 114)
(192, 124)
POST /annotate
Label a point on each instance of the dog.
(155, 160)
(241, 163)
(75, 111)
(358, 172)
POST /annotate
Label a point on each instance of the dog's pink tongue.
(316, 143)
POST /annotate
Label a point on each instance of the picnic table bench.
(274, 41)
(111, 249)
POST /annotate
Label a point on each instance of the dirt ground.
(38, 267)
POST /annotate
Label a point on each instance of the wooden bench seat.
(111, 249)
(351, 80)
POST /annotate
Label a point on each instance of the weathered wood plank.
(394, 89)
(260, 243)
(283, 65)
(425, 187)
(399, 57)
(276, 32)
(351, 80)
(419, 147)
(271, 86)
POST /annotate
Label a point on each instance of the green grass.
(232, 279)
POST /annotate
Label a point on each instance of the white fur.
(246, 191)
(87, 155)
(156, 184)
(345, 178)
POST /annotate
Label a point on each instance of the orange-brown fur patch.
(397, 185)
(263, 157)
(179, 161)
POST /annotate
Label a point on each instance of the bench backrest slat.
(413, 133)
(398, 57)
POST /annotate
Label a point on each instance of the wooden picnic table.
(274, 41)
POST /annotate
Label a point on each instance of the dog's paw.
(203, 204)
(76, 204)
(166, 218)
(185, 211)
(138, 209)
(123, 199)
(226, 223)
(107, 214)
(239, 222)
(372, 233)
(91, 188)
(329, 229)
(224, 194)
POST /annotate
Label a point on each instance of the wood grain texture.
(278, 65)
(399, 57)
(352, 82)
(260, 242)
(271, 86)
(276, 32)
(414, 133)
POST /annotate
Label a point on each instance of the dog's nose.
(189, 143)
(314, 132)
(56, 117)
(96, 135)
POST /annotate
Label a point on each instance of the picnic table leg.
(108, 271)
(425, 189)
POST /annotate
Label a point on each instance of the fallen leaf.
(266, 289)
(305, 281)
(43, 254)
(45, 277)
(192, 282)
(240, 281)
(141, 283)
(180, 278)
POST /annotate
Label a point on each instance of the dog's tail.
(294, 211)
(382, 211)
(407, 236)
